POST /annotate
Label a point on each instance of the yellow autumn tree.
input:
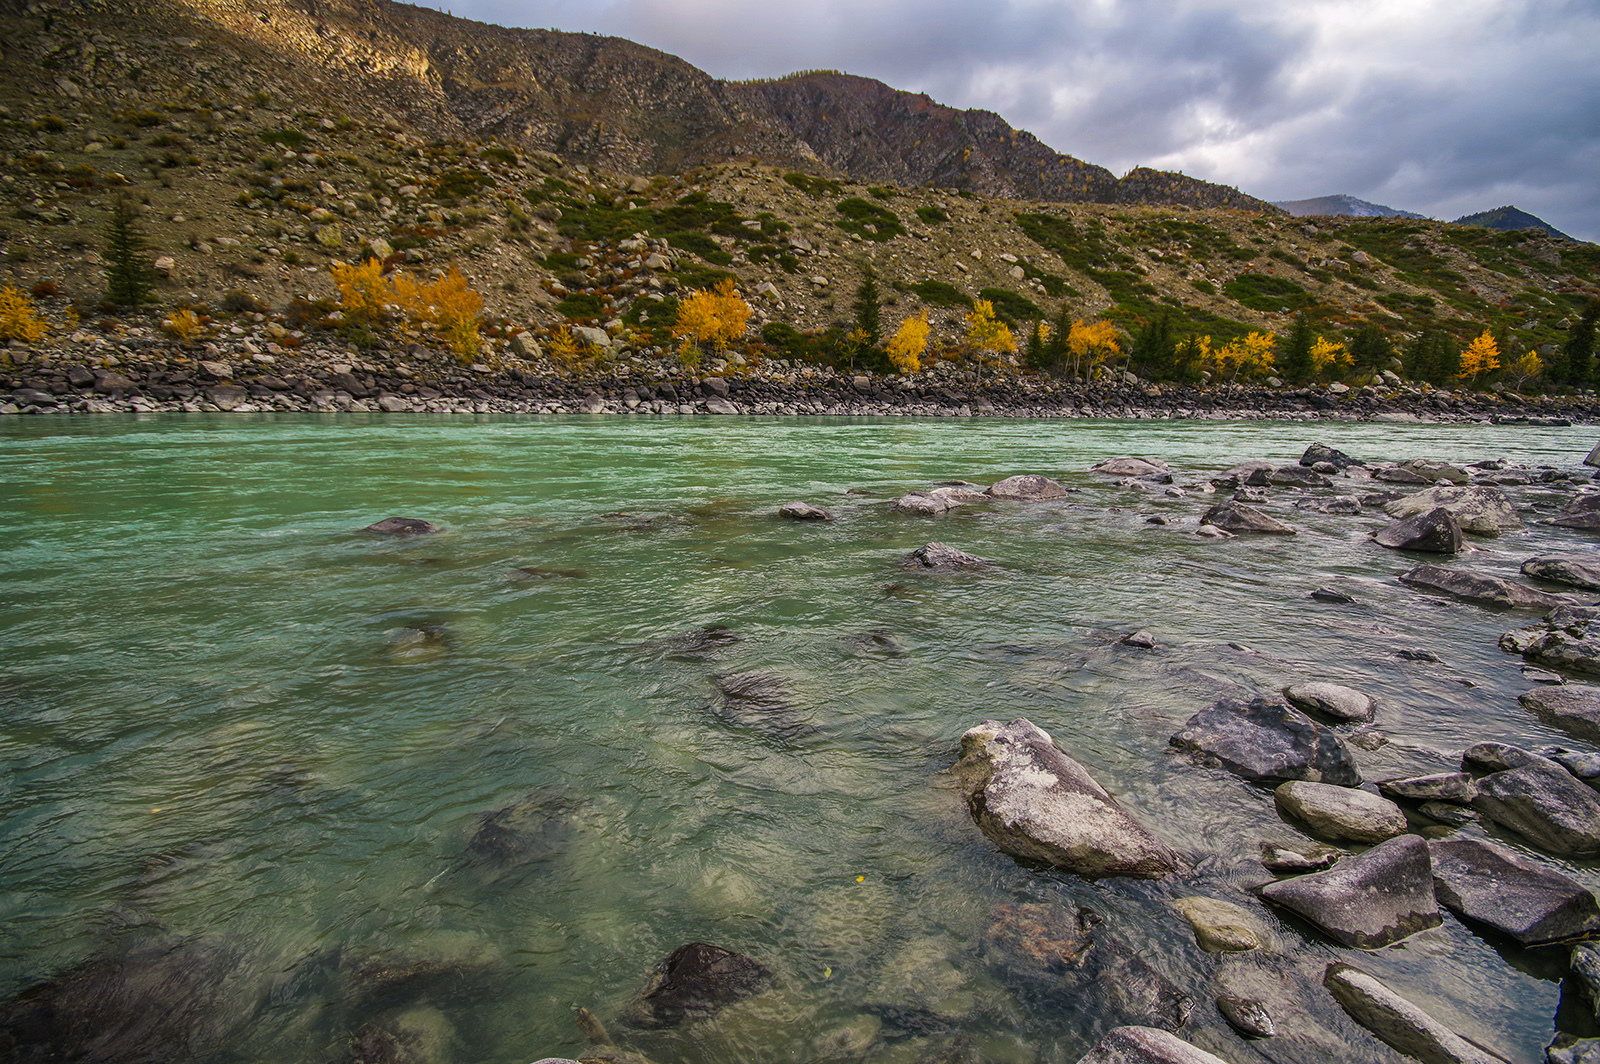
(1481, 356)
(363, 290)
(448, 305)
(1329, 356)
(717, 317)
(1524, 369)
(1250, 356)
(908, 343)
(986, 332)
(18, 318)
(1091, 344)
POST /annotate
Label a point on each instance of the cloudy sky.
(1444, 107)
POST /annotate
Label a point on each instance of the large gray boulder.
(1573, 707)
(803, 511)
(1478, 589)
(1582, 512)
(1341, 812)
(1296, 476)
(1321, 452)
(1035, 802)
(922, 503)
(1146, 1045)
(401, 526)
(1398, 1022)
(1479, 510)
(1370, 900)
(1544, 803)
(1261, 740)
(1029, 487)
(1237, 517)
(1434, 532)
(1330, 699)
(1535, 906)
(1443, 787)
(1575, 570)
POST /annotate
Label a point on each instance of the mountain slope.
(607, 101)
(1342, 205)
(1511, 219)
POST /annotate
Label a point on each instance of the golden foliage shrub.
(18, 318)
(449, 305)
(717, 317)
(184, 324)
(908, 343)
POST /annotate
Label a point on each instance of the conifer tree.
(128, 280)
(868, 314)
(1577, 352)
(1296, 363)
(1154, 347)
(1370, 349)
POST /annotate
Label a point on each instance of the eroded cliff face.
(610, 102)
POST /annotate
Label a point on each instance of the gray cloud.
(1438, 106)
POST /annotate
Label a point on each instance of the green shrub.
(503, 156)
(868, 220)
(941, 294)
(461, 183)
(1258, 291)
(1010, 307)
(581, 305)
(816, 187)
(933, 215)
(879, 192)
(285, 138)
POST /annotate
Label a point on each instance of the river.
(233, 721)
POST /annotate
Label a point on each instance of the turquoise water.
(233, 721)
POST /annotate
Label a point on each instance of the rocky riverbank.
(96, 374)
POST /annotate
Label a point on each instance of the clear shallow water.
(211, 734)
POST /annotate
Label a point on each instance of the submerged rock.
(1480, 510)
(1330, 699)
(1369, 900)
(1585, 959)
(1146, 1045)
(760, 699)
(401, 526)
(1435, 532)
(1298, 857)
(1131, 467)
(416, 1036)
(1535, 906)
(1029, 487)
(1341, 812)
(1399, 1023)
(1575, 570)
(535, 827)
(1220, 926)
(938, 556)
(1478, 589)
(803, 511)
(1574, 708)
(1261, 740)
(1328, 594)
(695, 982)
(1247, 1016)
(1039, 936)
(1036, 803)
(922, 503)
(697, 645)
(1237, 517)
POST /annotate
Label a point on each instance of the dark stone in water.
(533, 828)
(1535, 906)
(539, 572)
(1419, 655)
(1435, 532)
(761, 700)
(695, 982)
(401, 526)
(1248, 1017)
(1039, 937)
(1321, 452)
(1370, 900)
(1261, 740)
(875, 644)
(803, 511)
(152, 1003)
(698, 645)
(1328, 594)
(939, 556)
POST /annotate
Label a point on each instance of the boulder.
(1295, 476)
(1489, 884)
(1036, 803)
(937, 555)
(922, 503)
(695, 982)
(1434, 472)
(227, 396)
(1255, 474)
(401, 526)
(1029, 487)
(1447, 813)
(1479, 510)
(1545, 804)
(1328, 594)
(1146, 1045)
(1220, 926)
(1445, 787)
(1237, 517)
(1330, 699)
(1582, 512)
(1141, 639)
(1477, 589)
(1261, 740)
(1131, 467)
(1397, 1022)
(534, 828)
(1247, 1016)
(1399, 474)
(1575, 570)
(1341, 812)
(1038, 937)
(803, 511)
(1321, 452)
(1336, 504)
(1585, 960)
(1569, 639)
(1435, 532)
(718, 405)
(1369, 900)
(1573, 707)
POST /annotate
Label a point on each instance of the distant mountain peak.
(1510, 218)
(1348, 206)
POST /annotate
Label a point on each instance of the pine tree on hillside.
(868, 313)
(1370, 349)
(1295, 361)
(128, 280)
(1154, 348)
(1577, 352)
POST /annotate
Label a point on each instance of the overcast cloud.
(1444, 107)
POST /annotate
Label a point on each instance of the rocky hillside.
(261, 145)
